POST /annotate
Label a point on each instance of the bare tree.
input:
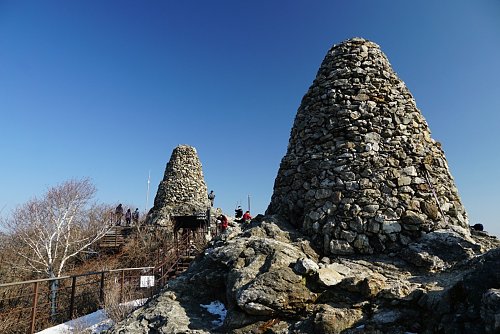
(53, 229)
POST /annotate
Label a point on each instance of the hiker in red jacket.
(223, 223)
(246, 217)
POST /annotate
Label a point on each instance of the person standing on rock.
(238, 213)
(211, 197)
(119, 214)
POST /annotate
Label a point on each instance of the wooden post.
(33, 309)
(121, 285)
(101, 290)
(154, 280)
(72, 300)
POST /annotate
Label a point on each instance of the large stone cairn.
(362, 173)
(183, 190)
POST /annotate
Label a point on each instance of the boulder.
(251, 273)
(331, 320)
(440, 249)
(328, 276)
(306, 267)
(490, 310)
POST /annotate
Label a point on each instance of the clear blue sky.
(107, 89)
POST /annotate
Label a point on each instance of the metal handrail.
(35, 311)
(2, 285)
(33, 307)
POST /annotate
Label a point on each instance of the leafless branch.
(53, 229)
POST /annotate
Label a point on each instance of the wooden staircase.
(176, 260)
(115, 237)
(183, 264)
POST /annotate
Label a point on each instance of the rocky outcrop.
(365, 232)
(183, 190)
(272, 281)
(362, 173)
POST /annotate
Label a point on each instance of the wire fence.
(31, 306)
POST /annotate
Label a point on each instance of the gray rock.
(431, 210)
(341, 247)
(440, 249)
(490, 310)
(404, 181)
(305, 267)
(387, 316)
(328, 276)
(251, 272)
(323, 193)
(391, 227)
(329, 319)
(413, 218)
(273, 292)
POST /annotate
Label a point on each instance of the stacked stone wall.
(183, 190)
(362, 173)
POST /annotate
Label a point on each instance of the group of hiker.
(239, 216)
(222, 221)
(243, 218)
(129, 216)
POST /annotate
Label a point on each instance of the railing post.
(121, 285)
(72, 300)
(154, 286)
(101, 290)
(176, 246)
(162, 274)
(33, 309)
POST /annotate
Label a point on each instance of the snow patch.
(96, 322)
(216, 308)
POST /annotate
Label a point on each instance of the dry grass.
(116, 310)
(77, 328)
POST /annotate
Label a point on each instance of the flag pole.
(147, 194)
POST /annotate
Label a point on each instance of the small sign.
(147, 281)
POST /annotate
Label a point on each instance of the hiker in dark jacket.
(211, 197)
(135, 216)
(119, 214)
(238, 212)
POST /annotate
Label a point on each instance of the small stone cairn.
(183, 190)
(362, 173)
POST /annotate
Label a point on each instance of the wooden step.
(115, 237)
